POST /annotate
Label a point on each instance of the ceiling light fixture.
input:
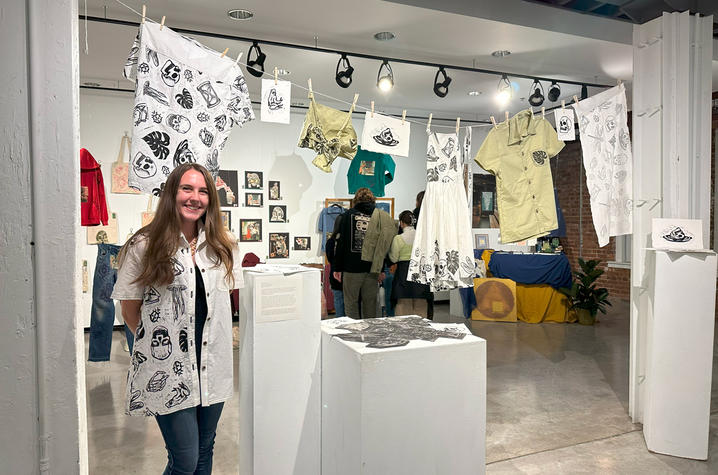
(386, 82)
(554, 92)
(474, 93)
(240, 14)
(441, 89)
(344, 77)
(503, 91)
(584, 92)
(536, 99)
(255, 67)
(500, 53)
(384, 36)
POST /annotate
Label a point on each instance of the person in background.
(336, 285)
(419, 199)
(174, 284)
(408, 298)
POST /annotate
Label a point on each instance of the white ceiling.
(421, 34)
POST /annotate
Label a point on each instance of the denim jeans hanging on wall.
(102, 317)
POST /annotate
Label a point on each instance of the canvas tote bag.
(103, 234)
(120, 170)
(149, 215)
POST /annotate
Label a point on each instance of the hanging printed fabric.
(120, 170)
(187, 99)
(466, 162)
(564, 124)
(329, 132)
(608, 161)
(384, 134)
(104, 234)
(276, 98)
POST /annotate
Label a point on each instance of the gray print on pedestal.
(393, 332)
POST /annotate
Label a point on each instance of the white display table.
(415, 409)
(279, 368)
(680, 354)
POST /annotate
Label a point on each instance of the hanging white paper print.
(384, 134)
(564, 124)
(275, 101)
(677, 234)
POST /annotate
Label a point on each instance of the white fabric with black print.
(607, 158)
(443, 252)
(164, 374)
(187, 99)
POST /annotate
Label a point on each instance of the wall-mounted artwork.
(276, 97)
(481, 241)
(278, 245)
(277, 213)
(250, 230)
(484, 207)
(253, 180)
(275, 192)
(226, 219)
(302, 243)
(253, 200)
(227, 187)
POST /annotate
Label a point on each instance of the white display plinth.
(416, 409)
(680, 354)
(279, 368)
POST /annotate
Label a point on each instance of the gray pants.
(355, 284)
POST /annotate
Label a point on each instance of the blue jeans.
(338, 303)
(387, 292)
(102, 316)
(189, 439)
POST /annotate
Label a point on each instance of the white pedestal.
(680, 354)
(279, 367)
(416, 409)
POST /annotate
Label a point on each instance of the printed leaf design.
(158, 142)
(184, 99)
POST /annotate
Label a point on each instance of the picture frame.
(275, 192)
(481, 241)
(484, 207)
(278, 245)
(227, 186)
(250, 230)
(253, 200)
(386, 204)
(253, 180)
(302, 243)
(278, 214)
(226, 219)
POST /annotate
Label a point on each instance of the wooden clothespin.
(532, 111)
(276, 73)
(507, 115)
(224, 52)
(239, 56)
(428, 125)
(563, 104)
(311, 91)
(493, 121)
(543, 112)
(144, 13)
(372, 109)
(403, 116)
(354, 102)
(162, 23)
(618, 82)
(458, 124)
(575, 99)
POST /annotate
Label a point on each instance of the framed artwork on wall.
(278, 213)
(226, 219)
(278, 245)
(253, 180)
(275, 192)
(484, 208)
(227, 187)
(253, 200)
(385, 204)
(302, 243)
(481, 241)
(250, 230)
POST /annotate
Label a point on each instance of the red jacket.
(93, 207)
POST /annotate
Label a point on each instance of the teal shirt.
(370, 170)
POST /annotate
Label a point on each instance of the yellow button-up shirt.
(517, 152)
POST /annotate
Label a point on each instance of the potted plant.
(585, 297)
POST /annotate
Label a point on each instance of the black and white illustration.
(253, 180)
(180, 112)
(157, 382)
(385, 134)
(183, 343)
(396, 331)
(677, 234)
(180, 393)
(277, 213)
(565, 119)
(161, 345)
(275, 191)
(178, 306)
(151, 296)
(276, 98)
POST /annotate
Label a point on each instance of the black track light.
(584, 92)
(554, 92)
(536, 98)
(255, 67)
(441, 89)
(344, 77)
(386, 81)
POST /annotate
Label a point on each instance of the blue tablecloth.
(551, 269)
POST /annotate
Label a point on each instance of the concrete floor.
(557, 403)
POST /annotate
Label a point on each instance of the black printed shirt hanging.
(276, 98)
(384, 134)
(187, 99)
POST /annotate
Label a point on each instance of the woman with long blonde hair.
(174, 281)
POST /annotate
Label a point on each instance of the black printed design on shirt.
(540, 157)
(158, 143)
(135, 402)
(183, 340)
(157, 382)
(177, 299)
(151, 295)
(180, 393)
(176, 266)
(161, 346)
(360, 223)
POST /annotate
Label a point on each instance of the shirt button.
(534, 196)
(526, 168)
(204, 343)
(202, 270)
(207, 294)
(536, 211)
(204, 368)
(209, 318)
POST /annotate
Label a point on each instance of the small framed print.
(253, 180)
(278, 213)
(250, 230)
(275, 192)
(386, 204)
(481, 241)
(302, 243)
(253, 200)
(226, 183)
(278, 245)
(226, 219)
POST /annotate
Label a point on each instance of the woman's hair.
(419, 198)
(363, 195)
(163, 233)
(406, 217)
